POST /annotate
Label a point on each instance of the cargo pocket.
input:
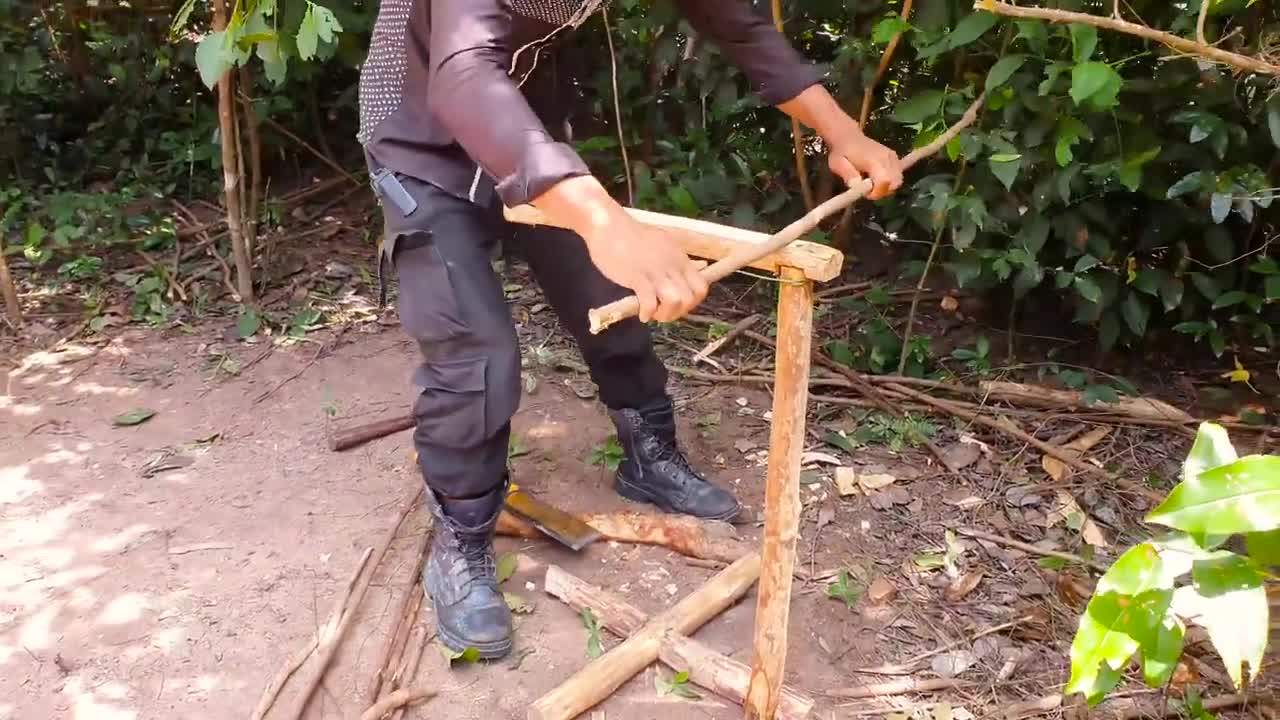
(451, 410)
(428, 303)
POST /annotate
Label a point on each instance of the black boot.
(656, 471)
(461, 580)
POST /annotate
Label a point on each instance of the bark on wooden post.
(231, 168)
(782, 494)
(9, 290)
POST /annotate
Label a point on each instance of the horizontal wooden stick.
(685, 535)
(715, 241)
(602, 317)
(1190, 47)
(896, 687)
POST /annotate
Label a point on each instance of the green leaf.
(1220, 207)
(682, 199)
(1161, 650)
(507, 565)
(841, 441)
(888, 28)
(1264, 547)
(134, 417)
(1207, 286)
(1005, 168)
(470, 655)
(308, 38)
(1171, 293)
(1088, 79)
(1036, 35)
(212, 58)
(180, 19)
(919, 107)
(841, 352)
(1084, 39)
(248, 324)
(1003, 70)
(1229, 299)
(1136, 312)
(1229, 600)
(1189, 183)
(275, 64)
(1273, 118)
(1271, 287)
(1212, 448)
(516, 603)
(971, 28)
(1086, 262)
(1131, 599)
(1243, 496)
(589, 621)
(1088, 289)
(845, 589)
(1096, 394)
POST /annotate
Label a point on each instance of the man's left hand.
(854, 156)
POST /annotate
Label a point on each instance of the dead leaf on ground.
(826, 513)
(875, 481)
(961, 455)
(888, 497)
(1074, 590)
(950, 304)
(881, 591)
(962, 498)
(1070, 512)
(517, 604)
(744, 446)
(953, 664)
(1059, 470)
(812, 457)
(962, 586)
(846, 481)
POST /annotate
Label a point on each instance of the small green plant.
(594, 647)
(1144, 602)
(845, 589)
(469, 655)
(678, 685)
(977, 359)
(304, 321)
(896, 433)
(516, 447)
(608, 454)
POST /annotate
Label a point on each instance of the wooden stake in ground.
(604, 675)
(231, 167)
(782, 494)
(11, 307)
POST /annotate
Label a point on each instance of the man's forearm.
(817, 110)
(581, 204)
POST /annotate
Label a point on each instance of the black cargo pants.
(452, 303)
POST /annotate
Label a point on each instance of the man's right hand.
(645, 260)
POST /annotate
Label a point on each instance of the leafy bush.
(1144, 602)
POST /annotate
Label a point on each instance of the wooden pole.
(707, 668)
(604, 675)
(782, 494)
(231, 168)
(9, 290)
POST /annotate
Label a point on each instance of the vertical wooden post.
(782, 494)
(231, 169)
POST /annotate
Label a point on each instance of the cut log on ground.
(704, 539)
(707, 668)
(604, 675)
(1041, 396)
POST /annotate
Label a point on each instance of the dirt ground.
(167, 569)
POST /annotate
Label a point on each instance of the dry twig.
(896, 687)
(397, 699)
(1028, 548)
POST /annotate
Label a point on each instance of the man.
(451, 133)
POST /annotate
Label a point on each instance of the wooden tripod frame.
(798, 266)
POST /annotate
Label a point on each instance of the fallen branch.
(300, 656)
(397, 699)
(742, 326)
(1190, 47)
(910, 665)
(1005, 426)
(319, 155)
(896, 687)
(1211, 705)
(406, 611)
(603, 317)
(328, 647)
(1028, 548)
(411, 668)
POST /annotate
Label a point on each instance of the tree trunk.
(230, 169)
(257, 182)
(11, 306)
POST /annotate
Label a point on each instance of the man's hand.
(857, 155)
(853, 154)
(640, 258)
(650, 264)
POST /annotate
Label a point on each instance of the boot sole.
(495, 650)
(639, 494)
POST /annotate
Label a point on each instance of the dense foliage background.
(1106, 174)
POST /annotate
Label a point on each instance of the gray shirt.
(443, 95)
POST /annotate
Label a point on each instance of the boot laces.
(478, 553)
(667, 447)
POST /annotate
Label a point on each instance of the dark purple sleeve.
(470, 92)
(776, 69)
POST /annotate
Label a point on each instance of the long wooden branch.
(1190, 47)
(603, 317)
